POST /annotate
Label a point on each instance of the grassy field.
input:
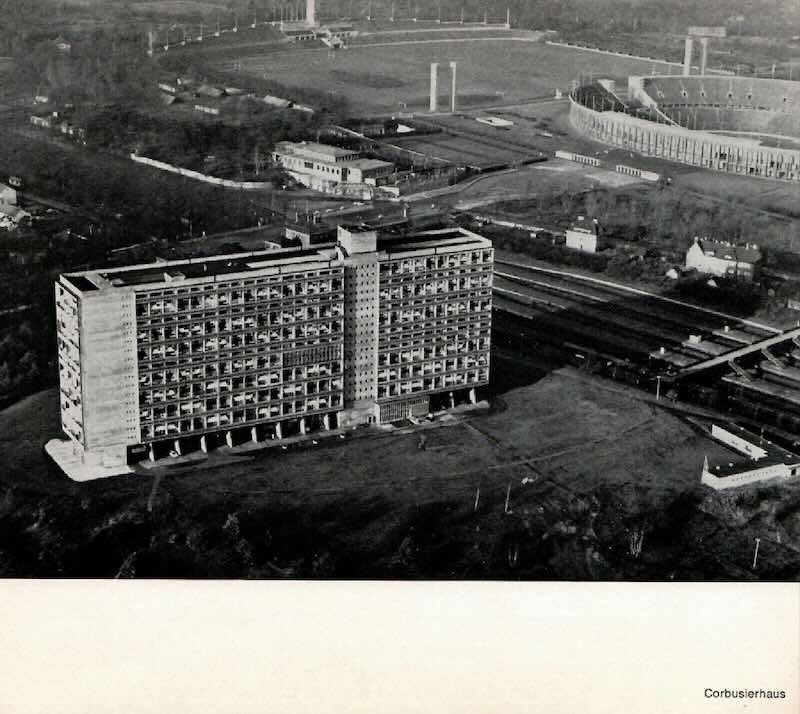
(490, 71)
(583, 464)
(177, 7)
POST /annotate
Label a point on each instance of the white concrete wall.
(109, 371)
(745, 477)
(226, 183)
(586, 242)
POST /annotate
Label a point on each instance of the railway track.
(614, 330)
(659, 306)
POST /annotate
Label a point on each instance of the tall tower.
(703, 54)
(434, 105)
(687, 56)
(453, 88)
(311, 12)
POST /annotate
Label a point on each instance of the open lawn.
(490, 70)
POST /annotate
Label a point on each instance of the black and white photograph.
(405, 294)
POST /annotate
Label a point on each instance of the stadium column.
(434, 105)
(687, 56)
(703, 54)
(453, 88)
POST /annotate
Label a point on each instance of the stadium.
(739, 125)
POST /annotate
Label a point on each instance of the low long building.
(325, 167)
(760, 461)
(176, 353)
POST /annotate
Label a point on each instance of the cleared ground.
(395, 75)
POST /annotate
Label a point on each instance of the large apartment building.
(176, 355)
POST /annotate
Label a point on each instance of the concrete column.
(254, 434)
(229, 438)
(453, 88)
(177, 447)
(703, 54)
(204, 444)
(278, 430)
(326, 421)
(434, 102)
(302, 426)
(472, 399)
(687, 56)
(311, 13)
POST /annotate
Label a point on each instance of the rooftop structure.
(175, 354)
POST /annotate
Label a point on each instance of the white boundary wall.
(197, 176)
(638, 173)
(579, 158)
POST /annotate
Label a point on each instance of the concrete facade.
(167, 355)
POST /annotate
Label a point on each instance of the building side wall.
(68, 329)
(747, 476)
(710, 151)
(108, 371)
(587, 242)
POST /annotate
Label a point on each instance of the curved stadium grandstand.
(740, 125)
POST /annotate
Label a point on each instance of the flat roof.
(775, 455)
(708, 347)
(677, 358)
(771, 389)
(435, 239)
(367, 163)
(173, 271)
(314, 147)
(282, 260)
(735, 335)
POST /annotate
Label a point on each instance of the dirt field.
(490, 70)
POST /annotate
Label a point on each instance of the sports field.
(394, 75)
